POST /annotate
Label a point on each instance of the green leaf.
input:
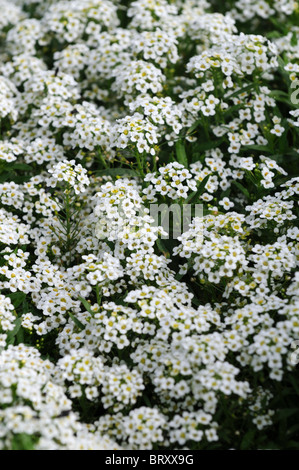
(251, 177)
(278, 93)
(196, 302)
(286, 413)
(181, 153)
(23, 441)
(200, 189)
(11, 334)
(293, 429)
(86, 305)
(279, 26)
(17, 298)
(239, 92)
(76, 321)
(231, 110)
(293, 445)
(283, 140)
(247, 439)
(294, 40)
(225, 193)
(20, 166)
(281, 98)
(208, 145)
(282, 70)
(194, 126)
(260, 148)
(146, 400)
(179, 276)
(118, 172)
(241, 187)
(162, 248)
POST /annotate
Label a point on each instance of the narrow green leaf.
(117, 172)
(20, 166)
(181, 153)
(147, 401)
(231, 110)
(200, 189)
(17, 298)
(196, 302)
(11, 334)
(293, 429)
(294, 40)
(282, 70)
(279, 26)
(76, 321)
(162, 248)
(239, 92)
(244, 190)
(286, 413)
(247, 439)
(23, 441)
(208, 145)
(193, 127)
(251, 177)
(225, 193)
(261, 148)
(278, 93)
(86, 305)
(293, 445)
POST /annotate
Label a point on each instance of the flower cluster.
(173, 181)
(35, 404)
(215, 246)
(70, 172)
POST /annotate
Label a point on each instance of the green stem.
(205, 128)
(98, 294)
(139, 163)
(154, 164)
(102, 159)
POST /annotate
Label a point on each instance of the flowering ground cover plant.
(120, 329)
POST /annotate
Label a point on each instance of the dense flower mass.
(149, 234)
